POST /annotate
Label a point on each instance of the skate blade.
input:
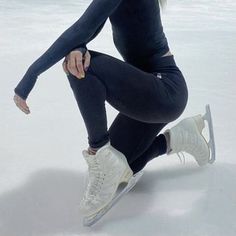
(211, 142)
(91, 220)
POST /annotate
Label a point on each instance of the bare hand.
(73, 63)
(21, 103)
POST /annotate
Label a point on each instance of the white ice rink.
(42, 170)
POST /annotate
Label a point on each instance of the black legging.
(146, 102)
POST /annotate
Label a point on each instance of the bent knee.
(178, 108)
(101, 63)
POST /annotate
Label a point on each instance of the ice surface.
(42, 170)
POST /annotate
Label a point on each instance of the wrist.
(83, 50)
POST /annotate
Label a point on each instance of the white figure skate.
(187, 136)
(92, 219)
(107, 169)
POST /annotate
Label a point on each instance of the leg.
(90, 95)
(157, 148)
(137, 140)
(135, 93)
(141, 96)
(185, 136)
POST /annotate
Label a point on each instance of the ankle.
(167, 137)
(92, 151)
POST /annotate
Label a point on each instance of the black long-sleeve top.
(137, 34)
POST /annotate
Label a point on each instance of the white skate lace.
(182, 161)
(186, 142)
(188, 139)
(96, 178)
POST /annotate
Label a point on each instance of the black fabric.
(146, 102)
(136, 28)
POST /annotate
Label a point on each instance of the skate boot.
(107, 169)
(187, 136)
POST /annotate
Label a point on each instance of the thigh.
(137, 94)
(132, 137)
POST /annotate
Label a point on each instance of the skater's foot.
(92, 219)
(187, 136)
(107, 169)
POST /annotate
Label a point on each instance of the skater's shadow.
(142, 196)
(179, 200)
(47, 204)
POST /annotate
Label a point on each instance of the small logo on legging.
(159, 75)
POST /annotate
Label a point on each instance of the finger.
(23, 105)
(87, 60)
(64, 65)
(22, 108)
(20, 103)
(25, 111)
(72, 66)
(79, 65)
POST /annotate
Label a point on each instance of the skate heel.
(199, 122)
(211, 143)
(126, 176)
